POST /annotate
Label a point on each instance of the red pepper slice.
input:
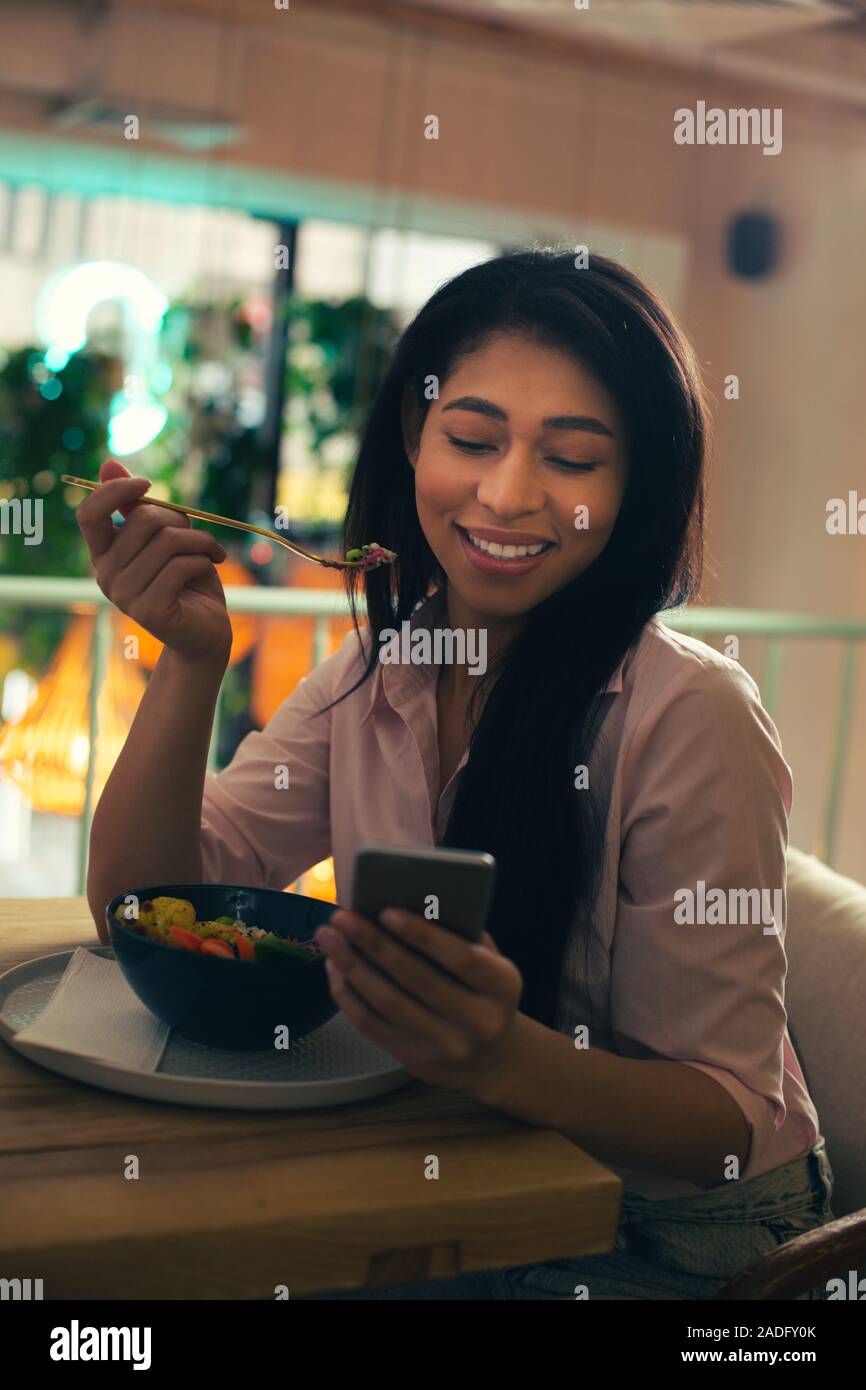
(187, 939)
(246, 949)
(213, 947)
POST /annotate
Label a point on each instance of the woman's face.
(523, 448)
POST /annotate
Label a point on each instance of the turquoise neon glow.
(62, 312)
(134, 426)
(161, 378)
(68, 298)
(55, 359)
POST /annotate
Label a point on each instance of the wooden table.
(230, 1204)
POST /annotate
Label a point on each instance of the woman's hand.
(155, 567)
(443, 1007)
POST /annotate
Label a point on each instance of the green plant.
(50, 423)
(337, 356)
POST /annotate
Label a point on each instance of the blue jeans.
(677, 1248)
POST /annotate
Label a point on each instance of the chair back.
(826, 1001)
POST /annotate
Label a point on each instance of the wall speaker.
(753, 245)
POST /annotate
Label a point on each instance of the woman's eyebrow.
(588, 423)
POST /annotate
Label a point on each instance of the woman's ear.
(410, 421)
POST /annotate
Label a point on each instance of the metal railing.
(777, 628)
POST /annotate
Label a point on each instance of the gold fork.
(246, 526)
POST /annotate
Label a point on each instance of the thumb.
(487, 940)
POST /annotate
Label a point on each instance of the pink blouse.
(699, 796)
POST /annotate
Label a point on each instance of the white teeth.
(505, 552)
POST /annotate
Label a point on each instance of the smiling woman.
(659, 1047)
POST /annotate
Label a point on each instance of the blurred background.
(217, 215)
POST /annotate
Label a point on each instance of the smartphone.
(449, 886)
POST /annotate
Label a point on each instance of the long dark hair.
(516, 797)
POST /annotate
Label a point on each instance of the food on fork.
(373, 555)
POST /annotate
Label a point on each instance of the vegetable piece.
(229, 921)
(376, 555)
(274, 948)
(174, 911)
(371, 555)
(246, 949)
(217, 948)
(187, 939)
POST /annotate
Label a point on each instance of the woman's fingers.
(387, 1015)
(113, 468)
(124, 582)
(406, 990)
(392, 1004)
(95, 512)
(406, 968)
(137, 531)
(406, 956)
(475, 965)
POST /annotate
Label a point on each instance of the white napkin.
(93, 1012)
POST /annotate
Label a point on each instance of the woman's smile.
(501, 557)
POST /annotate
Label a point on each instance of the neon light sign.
(62, 313)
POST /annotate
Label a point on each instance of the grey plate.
(332, 1066)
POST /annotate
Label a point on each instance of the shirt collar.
(395, 683)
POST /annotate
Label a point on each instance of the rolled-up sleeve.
(706, 800)
(266, 817)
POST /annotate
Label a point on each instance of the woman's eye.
(472, 447)
(467, 444)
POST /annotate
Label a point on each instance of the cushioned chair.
(826, 1001)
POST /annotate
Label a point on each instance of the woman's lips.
(494, 564)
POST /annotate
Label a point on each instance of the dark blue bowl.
(228, 1003)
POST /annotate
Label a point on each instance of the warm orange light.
(46, 752)
(319, 882)
(286, 645)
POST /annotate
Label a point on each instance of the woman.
(535, 457)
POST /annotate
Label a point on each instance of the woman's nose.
(511, 486)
